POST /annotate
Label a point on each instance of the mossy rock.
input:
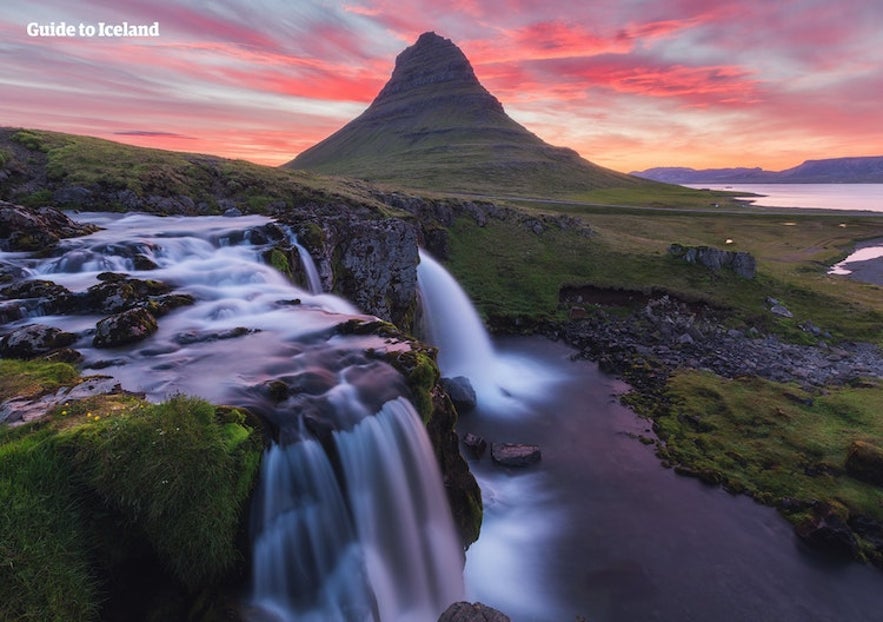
(864, 461)
(124, 328)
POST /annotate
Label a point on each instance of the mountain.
(857, 170)
(435, 127)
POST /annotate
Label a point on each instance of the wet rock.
(123, 328)
(460, 390)
(476, 445)
(515, 454)
(827, 531)
(205, 336)
(24, 229)
(472, 612)
(864, 461)
(33, 340)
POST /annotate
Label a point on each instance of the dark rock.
(205, 336)
(515, 454)
(472, 612)
(460, 390)
(864, 461)
(24, 229)
(123, 328)
(232, 212)
(475, 444)
(827, 531)
(142, 262)
(715, 259)
(781, 311)
(33, 340)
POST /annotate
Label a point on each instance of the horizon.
(629, 86)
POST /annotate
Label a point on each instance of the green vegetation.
(108, 168)
(773, 441)
(111, 479)
(31, 378)
(5, 157)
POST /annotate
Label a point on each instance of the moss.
(39, 198)
(420, 370)
(279, 260)
(35, 141)
(5, 158)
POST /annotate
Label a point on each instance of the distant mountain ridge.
(433, 126)
(854, 170)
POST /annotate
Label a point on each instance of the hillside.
(435, 127)
(858, 170)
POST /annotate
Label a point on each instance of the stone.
(33, 340)
(781, 311)
(476, 445)
(827, 531)
(472, 612)
(460, 390)
(515, 454)
(741, 263)
(24, 229)
(864, 461)
(123, 328)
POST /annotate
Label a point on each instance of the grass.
(774, 441)
(509, 270)
(31, 378)
(101, 480)
(108, 168)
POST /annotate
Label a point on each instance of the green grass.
(30, 378)
(102, 480)
(773, 441)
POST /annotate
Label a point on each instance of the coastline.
(863, 270)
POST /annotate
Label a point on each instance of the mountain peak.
(433, 64)
(434, 126)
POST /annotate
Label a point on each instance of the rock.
(475, 444)
(827, 531)
(864, 461)
(472, 612)
(33, 340)
(741, 263)
(232, 212)
(123, 328)
(24, 229)
(515, 454)
(460, 390)
(781, 311)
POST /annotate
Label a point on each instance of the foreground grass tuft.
(101, 481)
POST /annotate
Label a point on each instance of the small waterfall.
(376, 544)
(503, 384)
(314, 283)
(452, 324)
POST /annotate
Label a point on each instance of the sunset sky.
(629, 84)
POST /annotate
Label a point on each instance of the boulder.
(472, 612)
(33, 340)
(475, 444)
(460, 390)
(741, 263)
(827, 531)
(24, 229)
(515, 454)
(123, 328)
(864, 461)
(781, 311)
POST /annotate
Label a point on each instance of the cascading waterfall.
(352, 526)
(398, 559)
(314, 283)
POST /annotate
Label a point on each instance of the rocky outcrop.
(460, 391)
(864, 461)
(826, 530)
(515, 454)
(472, 612)
(715, 259)
(24, 229)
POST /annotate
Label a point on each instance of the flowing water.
(351, 521)
(600, 530)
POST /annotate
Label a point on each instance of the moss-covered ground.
(102, 481)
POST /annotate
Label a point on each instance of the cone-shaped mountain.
(435, 127)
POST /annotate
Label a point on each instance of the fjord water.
(865, 197)
(600, 529)
(352, 526)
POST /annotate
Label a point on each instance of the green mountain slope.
(435, 127)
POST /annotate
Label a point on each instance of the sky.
(629, 84)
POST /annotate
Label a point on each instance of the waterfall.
(504, 384)
(452, 322)
(375, 543)
(314, 284)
